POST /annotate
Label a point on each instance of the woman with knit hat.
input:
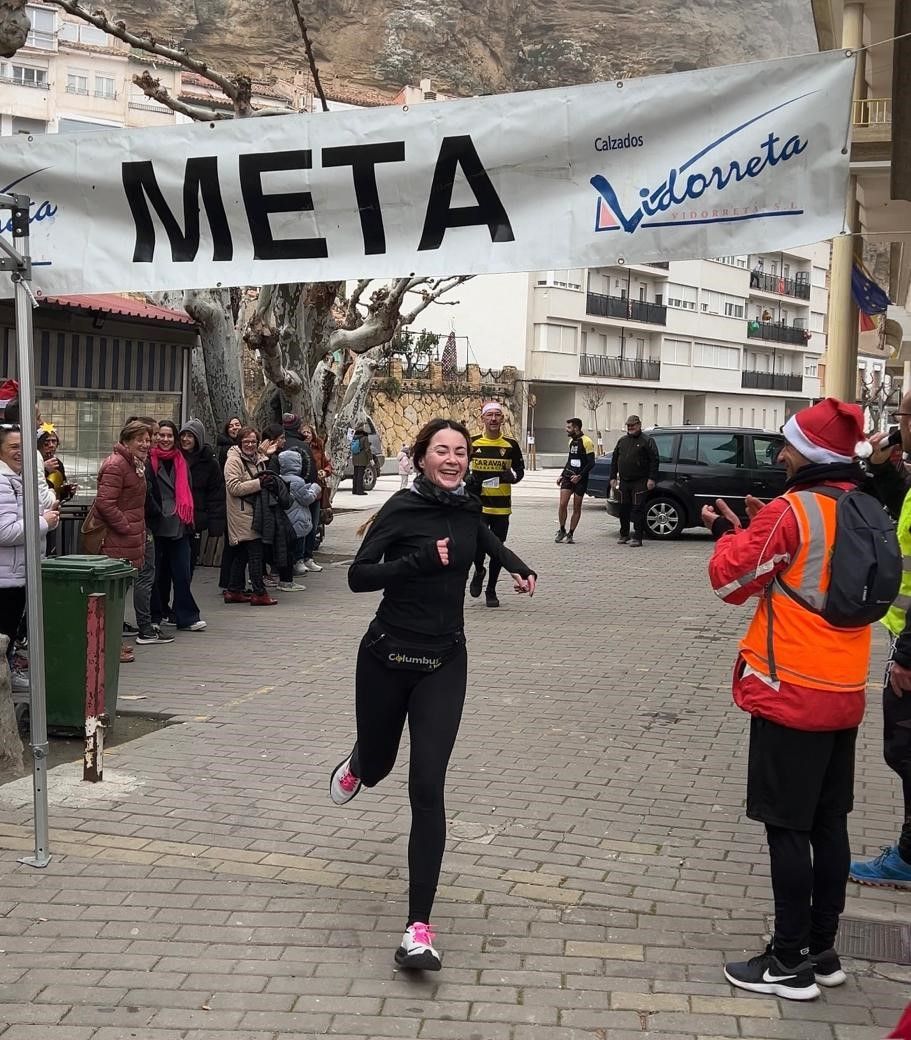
(207, 485)
(173, 550)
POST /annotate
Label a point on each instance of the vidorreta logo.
(681, 186)
(42, 210)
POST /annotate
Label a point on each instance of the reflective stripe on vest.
(786, 640)
(896, 616)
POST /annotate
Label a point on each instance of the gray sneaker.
(635, 543)
(153, 637)
(569, 539)
(561, 534)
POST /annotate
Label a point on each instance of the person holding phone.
(412, 662)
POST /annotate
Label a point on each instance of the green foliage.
(390, 386)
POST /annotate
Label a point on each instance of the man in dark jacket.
(207, 484)
(634, 469)
(295, 442)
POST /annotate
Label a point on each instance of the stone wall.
(399, 406)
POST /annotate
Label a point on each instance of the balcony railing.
(629, 310)
(24, 82)
(771, 381)
(776, 333)
(71, 88)
(774, 283)
(618, 368)
(108, 95)
(872, 112)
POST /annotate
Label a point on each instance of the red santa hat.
(831, 431)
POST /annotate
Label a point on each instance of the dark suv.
(697, 465)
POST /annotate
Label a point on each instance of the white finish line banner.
(709, 163)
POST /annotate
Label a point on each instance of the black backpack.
(865, 561)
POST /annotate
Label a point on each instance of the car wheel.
(664, 517)
(370, 478)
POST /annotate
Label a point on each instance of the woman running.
(412, 661)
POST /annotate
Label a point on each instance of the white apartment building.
(733, 341)
(71, 77)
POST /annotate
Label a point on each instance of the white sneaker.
(197, 626)
(300, 567)
(416, 950)
(343, 784)
(312, 565)
(290, 586)
(19, 680)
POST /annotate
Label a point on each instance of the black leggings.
(809, 878)
(12, 609)
(432, 703)
(499, 525)
(897, 752)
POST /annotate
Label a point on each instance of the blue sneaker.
(888, 870)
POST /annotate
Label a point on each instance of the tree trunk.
(348, 414)
(220, 351)
(14, 26)
(200, 404)
(10, 743)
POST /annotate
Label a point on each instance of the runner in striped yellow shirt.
(496, 464)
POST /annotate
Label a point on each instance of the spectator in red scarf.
(173, 539)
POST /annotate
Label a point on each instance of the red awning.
(111, 303)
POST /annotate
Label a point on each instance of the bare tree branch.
(353, 316)
(314, 71)
(437, 289)
(237, 89)
(153, 89)
(259, 335)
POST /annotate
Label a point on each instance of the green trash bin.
(67, 582)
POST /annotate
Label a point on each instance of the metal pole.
(26, 366)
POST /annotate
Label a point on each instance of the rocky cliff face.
(480, 46)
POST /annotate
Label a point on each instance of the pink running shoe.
(343, 784)
(416, 950)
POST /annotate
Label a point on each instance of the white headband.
(491, 406)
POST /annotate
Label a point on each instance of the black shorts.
(577, 489)
(794, 775)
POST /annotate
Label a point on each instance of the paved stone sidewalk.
(599, 867)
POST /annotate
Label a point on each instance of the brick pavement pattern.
(599, 868)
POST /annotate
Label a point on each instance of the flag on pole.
(867, 324)
(867, 294)
(450, 360)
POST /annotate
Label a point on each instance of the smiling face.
(139, 446)
(11, 450)
(791, 459)
(446, 460)
(234, 427)
(249, 444)
(165, 438)
(187, 442)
